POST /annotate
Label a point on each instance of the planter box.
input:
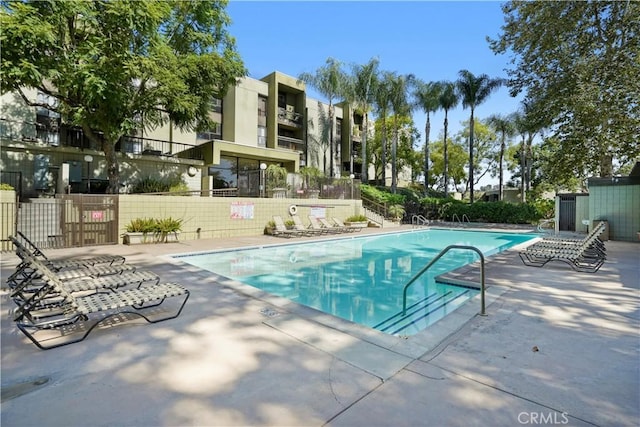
(168, 238)
(134, 238)
(313, 194)
(360, 224)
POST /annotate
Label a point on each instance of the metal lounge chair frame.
(332, 228)
(309, 231)
(60, 264)
(281, 229)
(24, 272)
(25, 290)
(582, 256)
(339, 223)
(31, 318)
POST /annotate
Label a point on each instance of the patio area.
(557, 347)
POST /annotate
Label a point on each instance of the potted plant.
(139, 230)
(277, 180)
(397, 212)
(357, 221)
(168, 229)
(311, 176)
(268, 229)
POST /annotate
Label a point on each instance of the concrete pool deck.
(557, 347)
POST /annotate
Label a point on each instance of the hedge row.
(497, 212)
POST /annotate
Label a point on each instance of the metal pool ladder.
(433, 261)
(417, 220)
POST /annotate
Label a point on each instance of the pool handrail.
(419, 220)
(433, 261)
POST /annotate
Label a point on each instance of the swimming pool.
(361, 279)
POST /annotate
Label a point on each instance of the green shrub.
(152, 184)
(397, 212)
(6, 187)
(357, 218)
(381, 195)
(141, 225)
(498, 212)
(168, 225)
(179, 187)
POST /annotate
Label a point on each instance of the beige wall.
(7, 218)
(240, 109)
(212, 215)
(169, 132)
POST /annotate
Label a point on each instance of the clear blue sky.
(432, 40)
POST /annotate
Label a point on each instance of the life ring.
(293, 209)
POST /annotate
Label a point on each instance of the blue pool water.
(361, 279)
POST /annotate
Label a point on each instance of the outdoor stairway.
(427, 310)
(377, 220)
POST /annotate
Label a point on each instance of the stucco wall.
(210, 217)
(7, 218)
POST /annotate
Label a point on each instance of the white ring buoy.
(293, 209)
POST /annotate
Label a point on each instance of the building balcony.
(289, 118)
(68, 136)
(290, 143)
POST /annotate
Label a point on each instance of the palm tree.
(427, 95)
(505, 126)
(364, 80)
(447, 100)
(521, 127)
(382, 98)
(329, 80)
(474, 90)
(398, 92)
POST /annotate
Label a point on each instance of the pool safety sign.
(318, 211)
(241, 210)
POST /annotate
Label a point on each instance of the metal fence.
(70, 220)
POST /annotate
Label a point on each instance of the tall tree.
(407, 134)
(364, 80)
(456, 160)
(579, 62)
(330, 81)
(103, 65)
(447, 100)
(486, 150)
(427, 98)
(474, 90)
(398, 98)
(382, 98)
(526, 126)
(505, 126)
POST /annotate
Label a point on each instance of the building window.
(232, 172)
(47, 121)
(214, 133)
(215, 105)
(262, 106)
(262, 136)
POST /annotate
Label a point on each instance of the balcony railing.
(289, 118)
(68, 136)
(290, 143)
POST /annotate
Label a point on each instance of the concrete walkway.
(557, 347)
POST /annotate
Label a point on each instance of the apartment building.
(258, 122)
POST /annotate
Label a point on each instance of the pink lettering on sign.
(97, 215)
